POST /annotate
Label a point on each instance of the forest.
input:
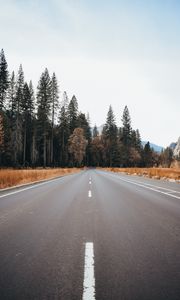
(39, 130)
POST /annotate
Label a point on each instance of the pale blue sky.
(104, 52)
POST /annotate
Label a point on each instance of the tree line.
(37, 129)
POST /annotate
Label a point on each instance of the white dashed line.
(89, 279)
(89, 194)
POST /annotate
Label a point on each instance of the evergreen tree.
(83, 122)
(17, 126)
(73, 114)
(1, 137)
(126, 137)
(31, 130)
(147, 155)
(27, 119)
(25, 102)
(43, 114)
(138, 141)
(126, 120)
(63, 135)
(11, 95)
(55, 105)
(19, 90)
(3, 79)
(65, 101)
(135, 150)
(110, 138)
(95, 131)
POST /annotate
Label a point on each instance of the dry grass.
(158, 173)
(10, 177)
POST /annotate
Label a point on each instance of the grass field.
(11, 177)
(158, 173)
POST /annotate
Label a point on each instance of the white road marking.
(89, 279)
(150, 188)
(90, 182)
(89, 194)
(28, 188)
(157, 187)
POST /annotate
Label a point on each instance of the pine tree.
(63, 135)
(135, 150)
(82, 122)
(126, 137)
(147, 155)
(3, 79)
(31, 147)
(65, 101)
(11, 95)
(95, 131)
(138, 141)
(1, 137)
(126, 120)
(110, 138)
(73, 114)
(55, 105)
(19, 90)
(18, 108)
(43, 113)
(27, 118)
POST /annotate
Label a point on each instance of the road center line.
(89, 279)
(89, 194)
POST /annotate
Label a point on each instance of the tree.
(166, 157)
(11, 95)
(126, 137)
(43, 113)
(19, 90)
(55, 105)
(98, 151)
(77, 145)
(82, 122)
(147, 155)
(73, 114)
(63, 135)
(17, 124)
(110, 139)
(3, 79)
(1, 137)
(135, 151)
(27, 118)
(95, 131)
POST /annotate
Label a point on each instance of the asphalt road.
(131, 223)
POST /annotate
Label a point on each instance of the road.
(123, 230)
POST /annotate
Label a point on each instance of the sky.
(124, 52)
